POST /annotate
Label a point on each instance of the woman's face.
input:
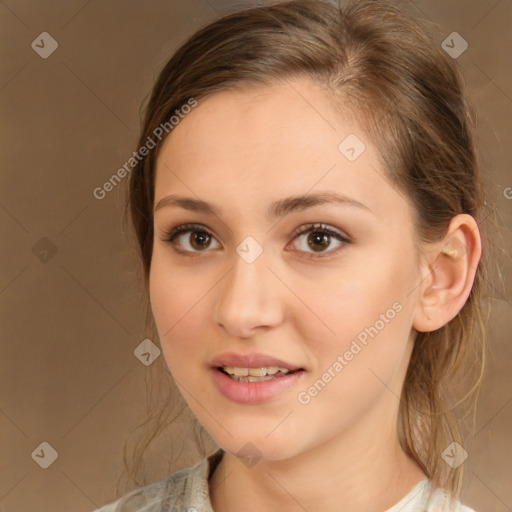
(243, 282)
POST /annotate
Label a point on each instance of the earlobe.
(450, 274)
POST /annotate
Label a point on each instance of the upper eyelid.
(304, 228)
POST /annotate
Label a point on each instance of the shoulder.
(424, 497)
(440, 501)
(186, 489)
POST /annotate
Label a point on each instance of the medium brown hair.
(408, 95)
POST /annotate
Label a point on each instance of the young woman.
(308, 207)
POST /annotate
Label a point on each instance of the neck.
(363, 469)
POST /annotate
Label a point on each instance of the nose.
(249, 299)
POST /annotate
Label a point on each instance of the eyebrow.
(277, 209)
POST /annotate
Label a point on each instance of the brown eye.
(199, 239)
(319, 239)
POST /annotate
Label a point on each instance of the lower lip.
(254, 392)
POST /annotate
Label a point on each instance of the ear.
(448, 274)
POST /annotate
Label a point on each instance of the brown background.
(72, 319)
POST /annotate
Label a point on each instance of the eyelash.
(171, 235)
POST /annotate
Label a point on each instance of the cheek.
(343, 304)
(363, 314)
(178, 304)
(361, 362)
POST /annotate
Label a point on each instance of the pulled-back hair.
(408, 95)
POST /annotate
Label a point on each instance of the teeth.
(254, 372)
(250, 378)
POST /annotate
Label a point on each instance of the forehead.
(275, 118)
(275, 140)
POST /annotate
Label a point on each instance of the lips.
(253, 393)
(254, 360)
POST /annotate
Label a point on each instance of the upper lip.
(250, 361)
